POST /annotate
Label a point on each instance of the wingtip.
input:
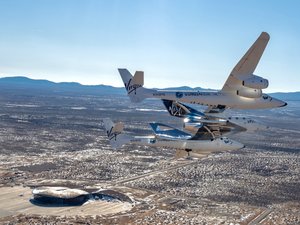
(265, 35)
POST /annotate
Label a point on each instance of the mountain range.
(25, 85)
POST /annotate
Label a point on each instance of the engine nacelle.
(249, 93)
(192, 127)
(256, 82)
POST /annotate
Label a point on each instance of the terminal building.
(63, 196)
(59, 196)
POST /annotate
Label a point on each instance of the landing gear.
(188, 153)
(183, 154)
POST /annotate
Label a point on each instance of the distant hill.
(287, 96)
(26, 85)
(10, 84)
(182, 88)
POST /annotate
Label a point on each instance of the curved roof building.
(63, 196)
(60, 196)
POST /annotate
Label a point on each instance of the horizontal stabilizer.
(120, 140)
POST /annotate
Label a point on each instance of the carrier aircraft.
(242, 89)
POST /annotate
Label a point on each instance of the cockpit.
(267, 97)
(225, 140)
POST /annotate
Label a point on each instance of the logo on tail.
(133, 84)
(131, 87)
(111, 134)
(114, 133)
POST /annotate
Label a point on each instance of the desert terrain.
(58, 140)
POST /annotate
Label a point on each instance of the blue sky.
(176, 42)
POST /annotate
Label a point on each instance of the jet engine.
(249, 93)
(256, 82)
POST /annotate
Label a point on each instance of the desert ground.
(59, 140)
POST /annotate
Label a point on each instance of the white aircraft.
(199, 123)
(242, 90)
(166, 136)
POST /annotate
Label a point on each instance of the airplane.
(197, 122)
(169, 137)
(242, 89)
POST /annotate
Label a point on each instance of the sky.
(175, 42)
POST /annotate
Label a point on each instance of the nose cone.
(237, 145)
(279, 103)
(285, 104)
(229, 144)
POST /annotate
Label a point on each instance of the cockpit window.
(265, 97)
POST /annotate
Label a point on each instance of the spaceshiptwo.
(204, 132)
(169, 137)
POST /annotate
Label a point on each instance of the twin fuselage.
(216, 98)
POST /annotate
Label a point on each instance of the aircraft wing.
(167, 132)
(246, 66)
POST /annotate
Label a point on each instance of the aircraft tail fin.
(134, 84)
(114, 133)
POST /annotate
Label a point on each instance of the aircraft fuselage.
(197, 146)
(214, 99)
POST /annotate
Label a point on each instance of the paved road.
(260, 217)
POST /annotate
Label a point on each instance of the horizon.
(70, 82)
(192, 43)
